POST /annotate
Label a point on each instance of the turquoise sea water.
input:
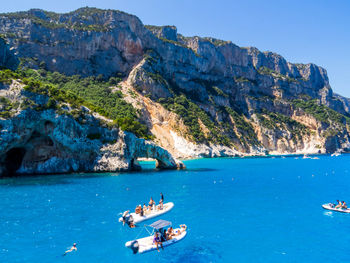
(237, 210)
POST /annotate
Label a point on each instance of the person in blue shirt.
(157, 241)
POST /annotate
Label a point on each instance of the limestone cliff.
(37, 139)
(198, 96)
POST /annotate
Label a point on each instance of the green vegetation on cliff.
(6, 76)
(217, 42)
(336, 122)
(321, 112)
(92, 92)
(227, 127)
(243, 127)
(5, 108)
(193, 116)
(278, 121)
(267, 71)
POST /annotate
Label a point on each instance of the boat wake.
(330, 214)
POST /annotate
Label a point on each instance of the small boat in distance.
(331, 207)
(335, 154)
(147, 244)
(306, 157)
(137, 218)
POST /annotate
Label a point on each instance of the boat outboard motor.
(135, 246)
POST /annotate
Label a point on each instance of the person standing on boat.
(161, 201)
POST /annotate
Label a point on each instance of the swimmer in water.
(72, 248)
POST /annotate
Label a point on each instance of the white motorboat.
(146, 244)
(331, 207)
(137, 218)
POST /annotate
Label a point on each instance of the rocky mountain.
(196, 96)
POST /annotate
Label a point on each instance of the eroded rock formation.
(43, 141)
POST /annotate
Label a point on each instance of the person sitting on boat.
(160, 206)
(144, 208)
(339, 205)
(179, 231)
(183, 228)
(344, 206)
(141, 211)
(150, 204)
(138, 209)
(170, 233)
(157, 241)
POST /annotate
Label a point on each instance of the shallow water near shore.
(237, 210)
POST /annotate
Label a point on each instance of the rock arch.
(146, 149)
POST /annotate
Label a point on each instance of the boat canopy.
(160, 224)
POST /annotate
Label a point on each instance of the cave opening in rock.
(13, 160)
(144, 164)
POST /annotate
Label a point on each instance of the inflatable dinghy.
(137, 218)
(331, 207)
(146, 244)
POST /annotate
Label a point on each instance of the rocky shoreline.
(45, 142)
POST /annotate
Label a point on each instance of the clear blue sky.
(302, 31)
